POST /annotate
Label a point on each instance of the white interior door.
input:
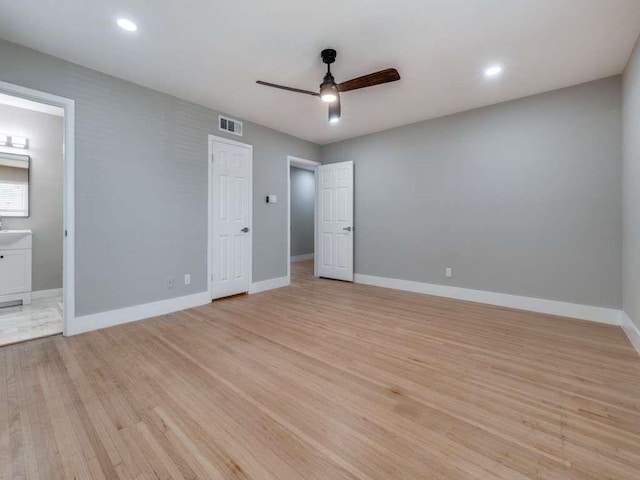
(335, 221)
(231, 219)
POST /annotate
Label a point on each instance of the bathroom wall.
(44, 132)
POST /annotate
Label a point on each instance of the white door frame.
(68, 202)
(311, 165)
(212, 139)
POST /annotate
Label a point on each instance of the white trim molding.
(553, 307)
(303, 163)
(96, 321)
(54, 292)
(302, 258)
(270, 284)
(632, 331)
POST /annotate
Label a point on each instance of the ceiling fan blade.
(289, 89)
(377, 78)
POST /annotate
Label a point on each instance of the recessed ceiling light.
(127, 25)
(493, 71)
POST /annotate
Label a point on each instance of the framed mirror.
(14, 185)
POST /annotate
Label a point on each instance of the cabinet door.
(15, 271)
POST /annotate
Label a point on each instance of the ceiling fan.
(330, 90)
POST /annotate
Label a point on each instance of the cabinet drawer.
(15, 271)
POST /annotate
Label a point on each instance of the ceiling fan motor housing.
(328, 85)
(328, 80)
(328, 55)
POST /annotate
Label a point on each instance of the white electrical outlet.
(448, 272)
(170, 282)
(187, 279)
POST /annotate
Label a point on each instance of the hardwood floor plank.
(326, 380)
(463, 409)
(37, 461)
(357, 395)
(399, 409)
(14, 426)
(5, 440)
(309, 415)
(73, 462)
(236, 404)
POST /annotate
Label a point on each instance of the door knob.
(347, 229)
(245, 229)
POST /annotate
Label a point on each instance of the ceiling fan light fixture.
(328, 92)
(328, 98)
(334, 111)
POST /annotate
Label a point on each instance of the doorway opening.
(32, 171)
(301, 175)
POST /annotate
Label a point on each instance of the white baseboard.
(270, 284)
(302, 258)
(54, 292)
(100, 320)
(632, 331)
(553, 307)
(110, 318)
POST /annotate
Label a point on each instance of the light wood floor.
(325, 380)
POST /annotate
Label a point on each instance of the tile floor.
(40, 319)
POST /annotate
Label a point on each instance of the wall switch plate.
(448, 272)
(170, 282)
(272, 199)
(187, 279)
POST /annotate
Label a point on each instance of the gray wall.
(141, 184)
(303, 190)
(44, 132)
(522, 197)
(631, 187)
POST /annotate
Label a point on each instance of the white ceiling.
(212, 52)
